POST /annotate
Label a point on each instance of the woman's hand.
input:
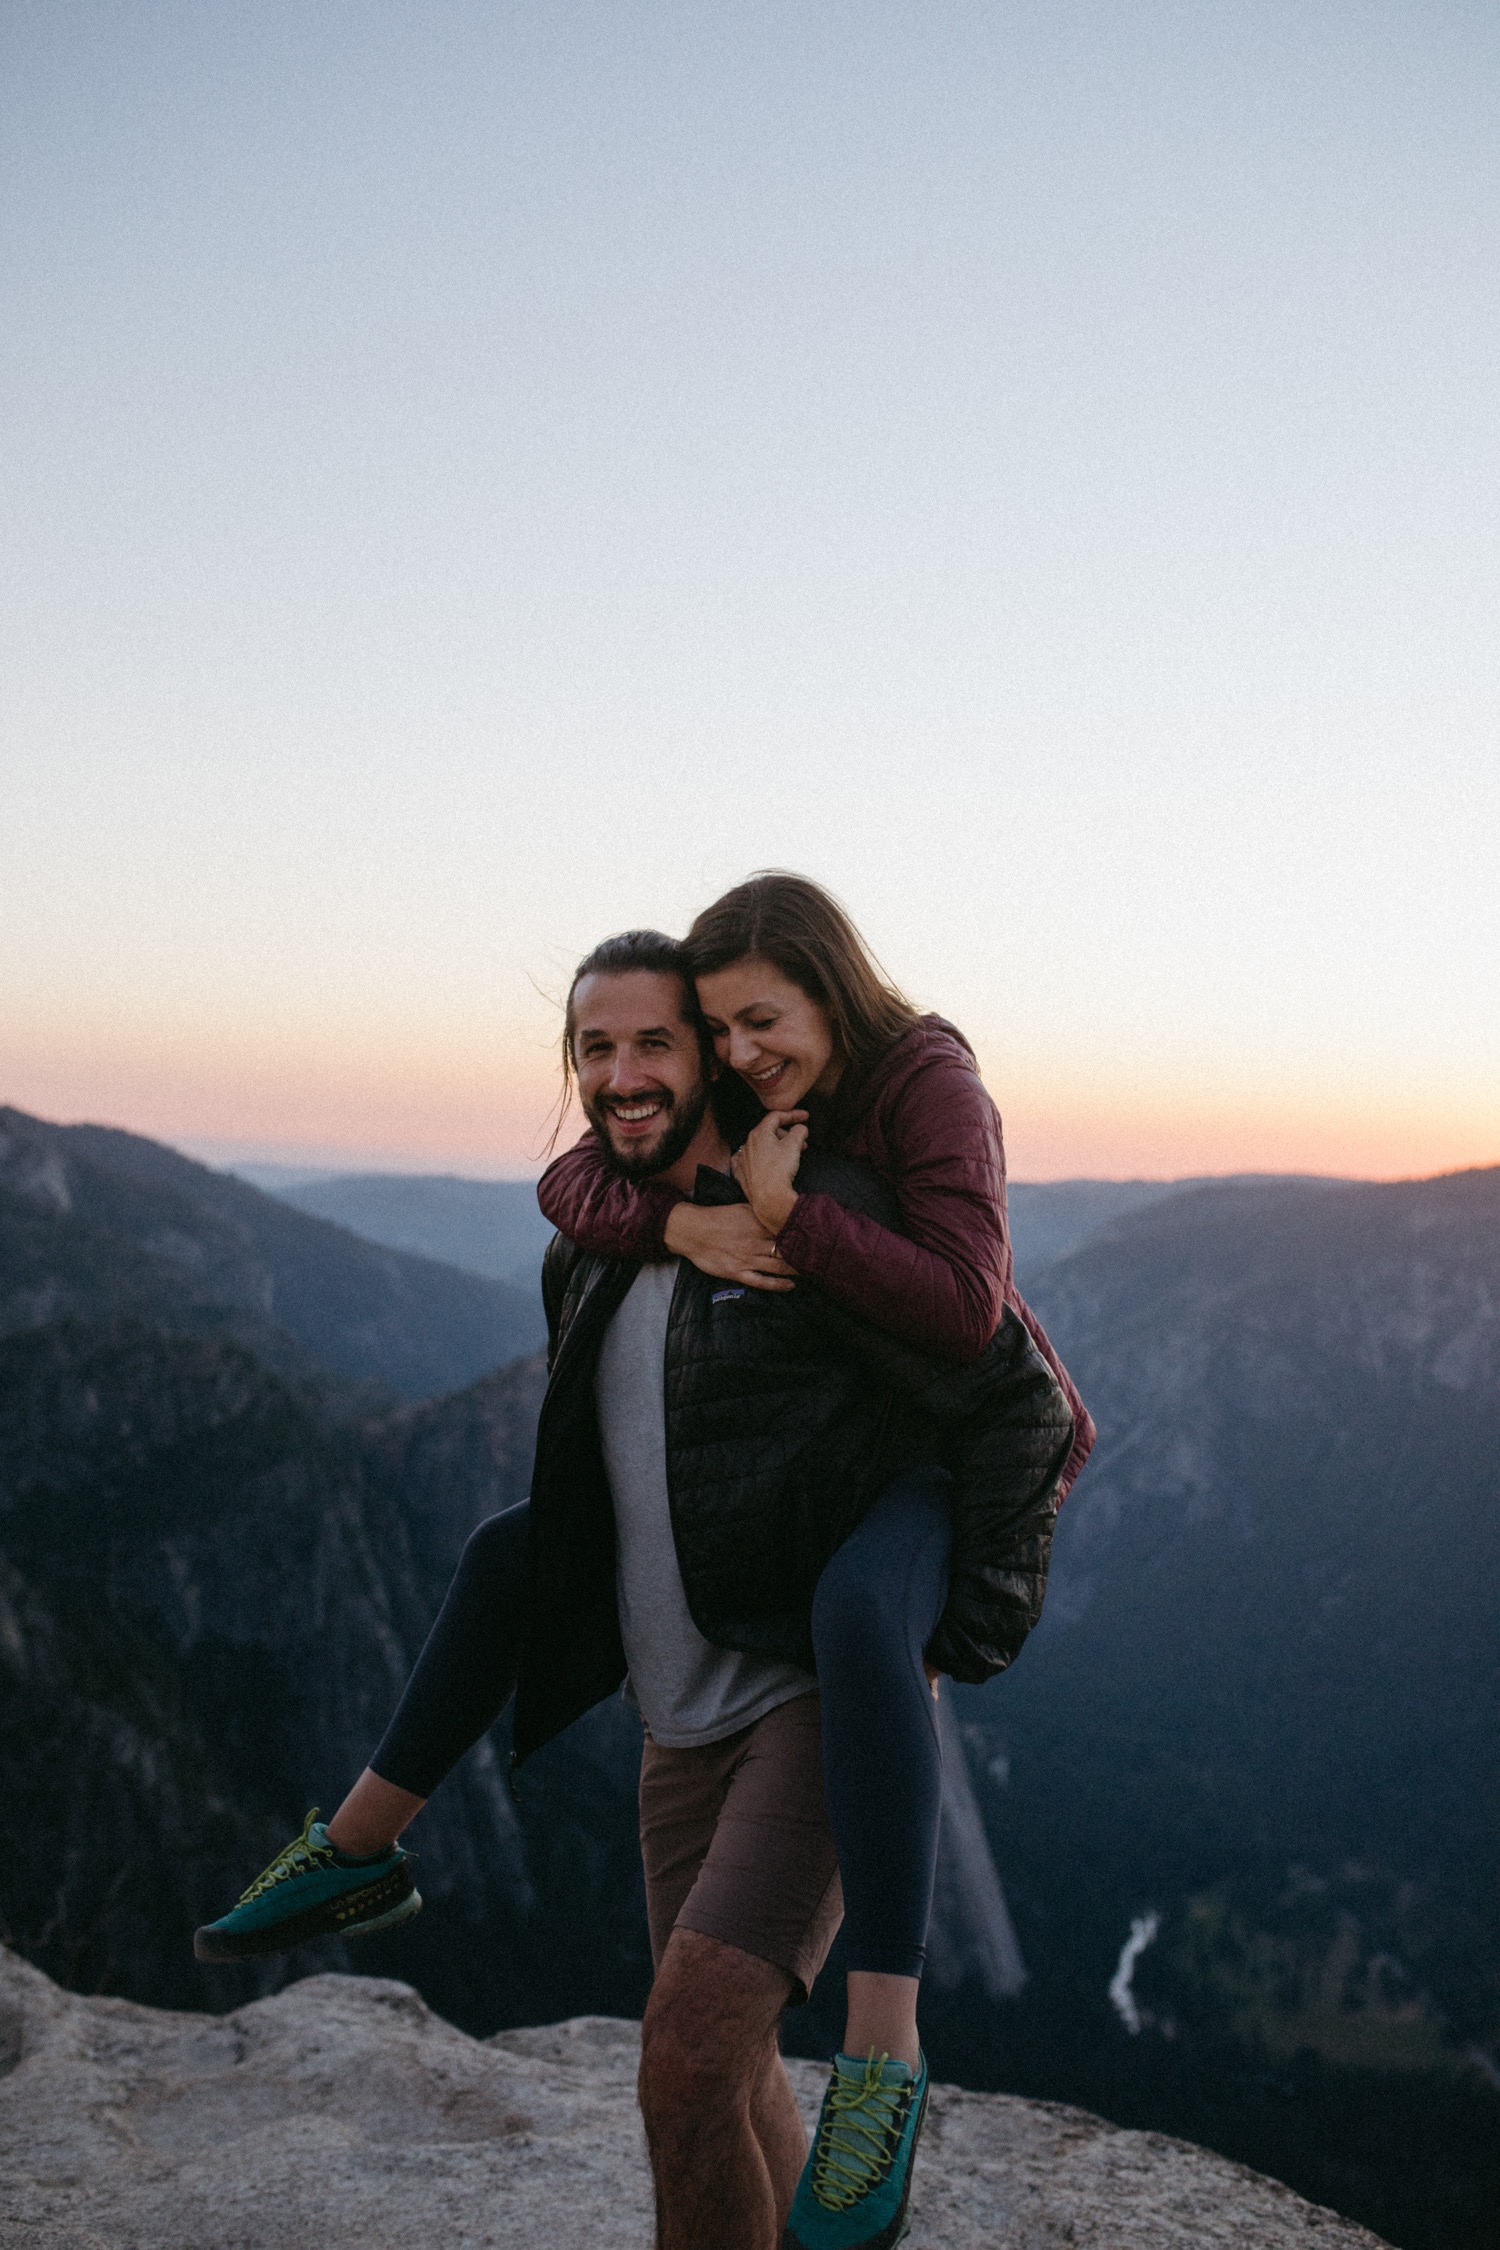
(767, 1165)
(726, 1240)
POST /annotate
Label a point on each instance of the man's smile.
(641, 1067)
(640, 1111)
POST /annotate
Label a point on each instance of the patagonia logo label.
(725, 1296)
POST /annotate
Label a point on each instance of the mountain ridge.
(98, 1222)
(495, 1227)
(1260, 1711)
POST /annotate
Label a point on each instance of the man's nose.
(626, 1077)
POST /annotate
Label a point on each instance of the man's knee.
(685, 2069)
(709, 2029)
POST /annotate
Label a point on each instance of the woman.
(802, 1017)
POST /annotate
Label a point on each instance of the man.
(702, 1451)
(742, 1882)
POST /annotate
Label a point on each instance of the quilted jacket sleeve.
(595, 1208)
(941, 1282)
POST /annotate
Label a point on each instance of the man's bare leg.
(726, 2142)
(372, 1816)
(777, 2125)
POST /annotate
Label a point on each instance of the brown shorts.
(736, 1842)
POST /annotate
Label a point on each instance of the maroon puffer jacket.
(920, 1117)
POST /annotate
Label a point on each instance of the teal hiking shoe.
(312, 1889)
(856, 2186)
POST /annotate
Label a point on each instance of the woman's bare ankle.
(883, 2016)
(372, 1816)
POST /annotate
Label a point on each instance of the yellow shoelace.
(296, 1858)
(858, 2135)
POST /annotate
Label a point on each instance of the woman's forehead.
(744, 985)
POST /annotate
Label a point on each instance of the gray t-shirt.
(685, 1688)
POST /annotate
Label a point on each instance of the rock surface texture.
(343, 2112)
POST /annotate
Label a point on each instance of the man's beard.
(683, 1120)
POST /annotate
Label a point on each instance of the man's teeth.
(637, 1113)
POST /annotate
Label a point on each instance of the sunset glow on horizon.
(492, 1113)
(483, 478)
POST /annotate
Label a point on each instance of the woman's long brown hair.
(804, 932)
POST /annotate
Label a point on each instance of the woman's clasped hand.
(766, 1166)
(728, 1241)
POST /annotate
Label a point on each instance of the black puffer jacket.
(786, 1417)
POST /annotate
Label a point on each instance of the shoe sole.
(402, 1913)
(380, 1906)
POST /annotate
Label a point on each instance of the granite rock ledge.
(342, 2112)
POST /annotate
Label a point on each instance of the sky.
(479, 476)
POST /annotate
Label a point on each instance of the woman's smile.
(770, 1032)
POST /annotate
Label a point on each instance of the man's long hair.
(802, 930)
(658, 955)
(650, 950)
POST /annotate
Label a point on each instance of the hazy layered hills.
(494, 1227)
(217, 1566)
(99, 1224)
(1259, 1719)
(1262, 1713)
(210, 1596)
(490, 1227)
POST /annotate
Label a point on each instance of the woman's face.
(768, 1030)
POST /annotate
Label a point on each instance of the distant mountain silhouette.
(489, 1227)
(1262, 1707)
(494, 1227)
(217, 1566)
(99, 1224)
(211, 1593)
(1264, 1700)
(1050, 1219)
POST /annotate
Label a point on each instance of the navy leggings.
(873, 1613)
(466, 1673)
(877, 1602)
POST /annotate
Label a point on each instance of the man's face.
(640, 1068)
